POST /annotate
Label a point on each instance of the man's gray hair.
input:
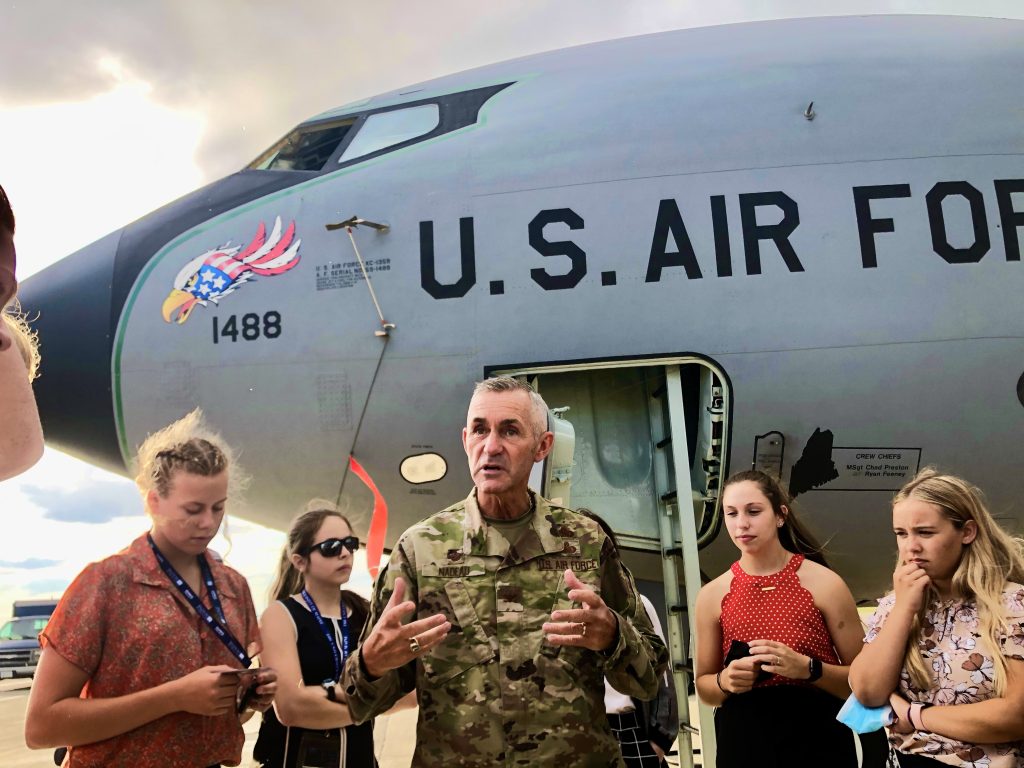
(510, 384)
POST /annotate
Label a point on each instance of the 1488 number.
(250, 328)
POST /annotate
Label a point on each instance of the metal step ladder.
(679, 488)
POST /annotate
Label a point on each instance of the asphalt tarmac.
(394, 735)
(394, 745)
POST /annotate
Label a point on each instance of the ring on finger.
(583, 631)
(414, 645)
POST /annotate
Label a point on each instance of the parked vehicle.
(19, 637)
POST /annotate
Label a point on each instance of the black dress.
(352, 747)
(783, 726)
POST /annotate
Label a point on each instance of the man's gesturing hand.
(392, 644)
(592, 626)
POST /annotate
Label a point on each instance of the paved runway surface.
(394, 752)
(395, 734)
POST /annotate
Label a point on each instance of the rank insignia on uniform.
(455, 555)
(509, 593)
(561, 529)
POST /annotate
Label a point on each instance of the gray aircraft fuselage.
(852, 267)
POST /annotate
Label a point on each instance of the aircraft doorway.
(621, 469)
(650, 440)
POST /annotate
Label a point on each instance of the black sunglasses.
(332, 547)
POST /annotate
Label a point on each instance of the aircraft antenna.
(362, 413)
(350, 224)
(359, 424)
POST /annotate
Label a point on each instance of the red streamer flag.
(379, 521)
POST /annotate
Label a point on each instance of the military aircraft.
(794, 245)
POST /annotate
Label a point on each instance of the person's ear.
(969, 532)
(547, 440)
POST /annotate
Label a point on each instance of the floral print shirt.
(962, 673)
(126, 625)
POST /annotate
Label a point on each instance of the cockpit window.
(306, 148)
(355, 137)
(385, 129)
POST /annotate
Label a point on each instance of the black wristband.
(815, 669)
(328, 686)
(718, 679)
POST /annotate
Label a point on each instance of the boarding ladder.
(681, 489)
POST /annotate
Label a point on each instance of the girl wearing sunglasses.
(141, 659)
(308, 631)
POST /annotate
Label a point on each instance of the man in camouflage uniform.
(522, 609)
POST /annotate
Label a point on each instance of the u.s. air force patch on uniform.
(561, 564)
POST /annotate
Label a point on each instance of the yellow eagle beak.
(180, 301)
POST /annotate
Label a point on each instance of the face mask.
(861, 719)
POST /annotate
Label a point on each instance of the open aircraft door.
(634, 424)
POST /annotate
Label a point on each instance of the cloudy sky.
(110, 109)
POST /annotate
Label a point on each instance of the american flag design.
(218, 272)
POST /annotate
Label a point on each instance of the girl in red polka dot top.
(800, 623)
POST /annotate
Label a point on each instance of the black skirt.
(783, 726)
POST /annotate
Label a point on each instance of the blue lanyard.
(338, 661)
(216, 623)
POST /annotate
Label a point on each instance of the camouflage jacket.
(494, 693)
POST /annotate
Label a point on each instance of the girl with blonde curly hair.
(946, 647)
(144, 659)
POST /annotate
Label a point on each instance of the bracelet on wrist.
(920, 716)
(919, 724)
(718, 679)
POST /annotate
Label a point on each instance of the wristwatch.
(328, 686)
(815, 668)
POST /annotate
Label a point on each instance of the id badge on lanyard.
(337, 657)
(218, 623)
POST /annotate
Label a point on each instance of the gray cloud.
(30, 564)
(97, 503)
(255, 69)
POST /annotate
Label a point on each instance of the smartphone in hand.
(248, 682)
(740, 650)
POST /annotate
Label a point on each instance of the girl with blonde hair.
(21, 435)
(946, 647)
(142, 661)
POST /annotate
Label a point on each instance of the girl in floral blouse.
(142, 660)
(946, 647)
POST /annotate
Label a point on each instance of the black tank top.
(317, 665)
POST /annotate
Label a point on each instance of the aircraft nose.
(79, 302)
(70, 306)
